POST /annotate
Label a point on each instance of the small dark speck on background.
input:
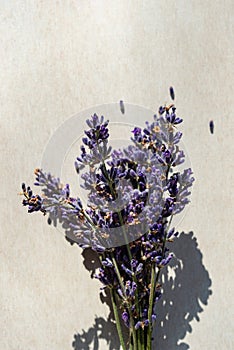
(121, 104)
(211, 127)
(172, 93)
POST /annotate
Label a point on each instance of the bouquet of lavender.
(133, 194)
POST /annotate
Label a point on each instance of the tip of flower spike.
(37, 171)
(161, 110)
(167, 108)
(136, 131)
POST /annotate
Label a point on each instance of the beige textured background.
(60, 57)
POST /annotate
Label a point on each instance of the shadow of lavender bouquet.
(133, 195)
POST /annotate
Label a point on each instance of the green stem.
(133, 331)
(151, 305)
(163, 248)
(139, 338)
(117, 320)
(153, 286)
(118, 273)
(132, 327)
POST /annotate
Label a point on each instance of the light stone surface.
(61, 57)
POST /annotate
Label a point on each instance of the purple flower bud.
(136, 131)
(132, 173)
(139, 268)
(178, 120)
(125, 318)
(171, 232)
(161, 110)
(211, 127)
(147, 132)
(129, 272)
(107, 262)
(134, 263)
(121, 104)
(138, 325)
(133, 289)
(120, 292)
(66, 191)
(172, 93)
(161, 161)
(157, 296)
(167, 156)
(166, 260)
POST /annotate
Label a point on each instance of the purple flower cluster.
(133, 195)
(33, 202)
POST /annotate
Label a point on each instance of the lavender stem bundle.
(133, 195)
